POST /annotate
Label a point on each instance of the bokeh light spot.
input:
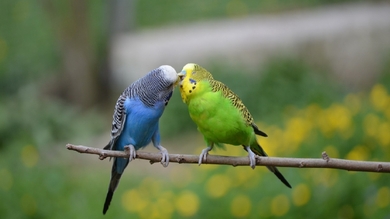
(165, 207)
(297, 130)
(218, 185)
(359, 152)
(383, 134)
(379, 97)
(301, 195)
(332, 151)
(280, 205)
(370, 124)
(129, 203)
(187, 203)
(29, 156)
(241, 206)
(383, 197)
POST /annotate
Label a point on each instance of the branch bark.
(324, 162)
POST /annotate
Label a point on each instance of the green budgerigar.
(220, 115)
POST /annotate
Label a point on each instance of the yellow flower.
(359, 152)
(332, 151)
(383, 135)
(336, 118)
(340, 119)
(297, 130)
(379, 97)
(370, 124)
(274, 144)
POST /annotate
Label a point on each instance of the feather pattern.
(235, 100)
(135, 120)
(150, 89)
(220, 115)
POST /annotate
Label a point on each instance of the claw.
(252, 157)
(132, 152)
(203, 155)
(164, 155)
(102, 156)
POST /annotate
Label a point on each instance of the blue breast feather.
(140, 125)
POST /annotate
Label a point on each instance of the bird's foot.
(164, 155)
(102, 155)
(131, 151)
(252, 157)
(203, 155)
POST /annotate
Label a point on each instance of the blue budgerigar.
(136, 120)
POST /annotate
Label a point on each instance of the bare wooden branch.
(324, 162)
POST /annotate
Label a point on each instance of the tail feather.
(113, 184)
(279, 175)
(258, 150)
(115, 177)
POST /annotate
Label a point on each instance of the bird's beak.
(179, 78)
(181, 75)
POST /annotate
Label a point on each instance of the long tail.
(116, 174)
(259, 151)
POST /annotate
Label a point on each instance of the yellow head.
(191, 78)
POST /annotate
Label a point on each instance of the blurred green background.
(57, 87)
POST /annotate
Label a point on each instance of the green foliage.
(27, 118)
(151, 13)
(27, 46)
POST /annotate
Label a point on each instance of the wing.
(118, 119)
(235, 100)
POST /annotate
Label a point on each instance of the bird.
(136, 120)
(220, 115)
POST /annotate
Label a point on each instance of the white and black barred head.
(156, 86)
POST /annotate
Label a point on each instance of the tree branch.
(325, 162)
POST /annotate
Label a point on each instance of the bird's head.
(194, 72)
(191, 79)
(169, 74)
